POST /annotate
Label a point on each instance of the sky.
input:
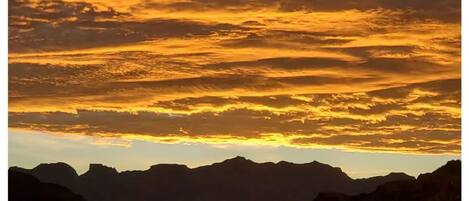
(293, 80)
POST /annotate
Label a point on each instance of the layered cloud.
(448, 10)
(361, 75)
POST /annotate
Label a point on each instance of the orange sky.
(360, 75)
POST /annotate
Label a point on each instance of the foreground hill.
(231, 180)
(24, 187)
(444, 184)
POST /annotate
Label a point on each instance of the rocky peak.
(237, 160)
(100, 169)
(59, 169)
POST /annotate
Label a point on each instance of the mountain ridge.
(281, 162)
(233, 179)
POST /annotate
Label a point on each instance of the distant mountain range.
(236, 179)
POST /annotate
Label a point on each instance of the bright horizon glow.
(29, 149)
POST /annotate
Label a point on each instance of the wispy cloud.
(360, 75)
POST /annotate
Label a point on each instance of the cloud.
(449, 10)
(287, 63)
(374, 64)
(357, 75)
(58, 10)
(282, 39)
(62, 25)
(392, 142)
(353, 121)
(333, 5)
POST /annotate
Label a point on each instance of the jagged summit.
(393, 176)
(449, 168)
(100, 169)
(310, 163)
(397, 175)
(56, 165)
(237, 160)
(244, 160)
(165, 167)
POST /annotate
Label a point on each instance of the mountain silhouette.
(24, 187)
(231, 180)
(444, 184)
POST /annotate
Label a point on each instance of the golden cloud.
(364, 75)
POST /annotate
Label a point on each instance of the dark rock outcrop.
(444, 184)
(24, 187)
